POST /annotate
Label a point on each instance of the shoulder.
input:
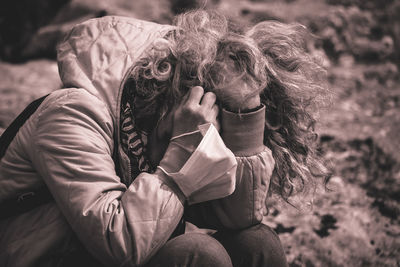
(74, 108)
(74, 99)
(66, 96)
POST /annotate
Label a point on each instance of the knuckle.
(187, 109)
(190, 110)
(200, 114)
(211, 95)
(198, 89)
(208, 117)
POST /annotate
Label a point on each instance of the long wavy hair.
(270, 57)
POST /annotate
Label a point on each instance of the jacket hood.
(97, 54)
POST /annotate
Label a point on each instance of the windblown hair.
(270, 58)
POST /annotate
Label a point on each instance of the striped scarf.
(134, 141)
(134, 144)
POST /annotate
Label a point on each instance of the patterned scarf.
(134, 144)
(133, 139)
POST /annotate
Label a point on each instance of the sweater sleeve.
(71, 150)
(243, 135)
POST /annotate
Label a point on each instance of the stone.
(23, 83)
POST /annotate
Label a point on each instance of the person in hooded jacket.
(158, 125)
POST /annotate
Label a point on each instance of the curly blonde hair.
(270, 57)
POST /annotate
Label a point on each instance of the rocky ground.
(356, 221)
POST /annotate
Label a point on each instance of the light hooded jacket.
(71, 145)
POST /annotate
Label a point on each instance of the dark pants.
(256, 246)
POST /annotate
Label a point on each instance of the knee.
(265, 242)
(256, 246)
(192, 250)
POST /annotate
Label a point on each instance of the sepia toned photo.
(243, 133)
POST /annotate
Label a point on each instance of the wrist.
(171, 184)
(179, 150)
(243, 133)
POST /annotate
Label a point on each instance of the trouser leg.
(191, 250)
(257, 246)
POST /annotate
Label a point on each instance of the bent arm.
(72, 148)
(243, 134)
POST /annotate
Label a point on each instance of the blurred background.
(356, 222)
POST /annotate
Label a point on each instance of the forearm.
(71, 152)
(118, 225)
(127, 229)
(243, 134)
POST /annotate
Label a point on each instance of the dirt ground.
(353, 223)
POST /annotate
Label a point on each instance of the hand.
(195, 109)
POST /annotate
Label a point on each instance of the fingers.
(214, 111)
(196, 108)
(214, 114)
(195, 95)
(207, 109)
(209, 99)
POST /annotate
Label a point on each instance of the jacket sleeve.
(71, 149)
(243, 134)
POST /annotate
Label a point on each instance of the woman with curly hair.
(161, 127)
